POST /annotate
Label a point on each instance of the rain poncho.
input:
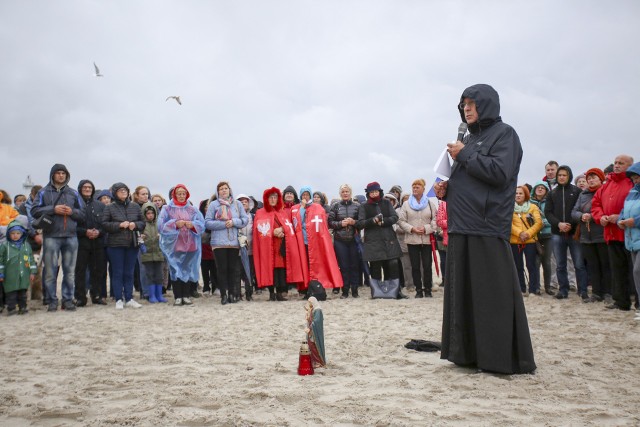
(182, 247)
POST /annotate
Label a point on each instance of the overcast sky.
(305, 92)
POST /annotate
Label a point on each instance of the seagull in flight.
(177, 98)
(97, 74)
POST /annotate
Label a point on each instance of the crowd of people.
(139, 241)
(492, 235)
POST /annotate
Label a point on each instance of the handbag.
(384, 289)
(45, 222)
(539, 248)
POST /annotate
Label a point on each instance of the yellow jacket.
(7, 214)
(519, 224)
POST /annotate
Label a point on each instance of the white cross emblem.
(288, 224)
(317, 220)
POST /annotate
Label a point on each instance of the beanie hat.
(595, 171)
(373, 186)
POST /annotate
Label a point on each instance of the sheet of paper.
(443, 166)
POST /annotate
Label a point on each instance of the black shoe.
(23, 310)
(354, 294)
(538, 293)
(224, 300)
(344, 296)
(248, 296)
(99, 301)
(596, 298)
(585, 297)
(336, 291)
(195, 294)
(401, 295)
(419, 294)
(428, 294)
(81, 303)
(549, 292)
(52, 307)
(615, 306)
(272, 297)
(68, 306)
(561, 296)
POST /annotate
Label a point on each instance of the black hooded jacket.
(51, 196)
(560, 202)
(481, 189)
(92, 212)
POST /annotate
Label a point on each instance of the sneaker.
(178, 301)
(132, 304)
(68, 306)
(119, 304)
(187, 301)
(52, 307)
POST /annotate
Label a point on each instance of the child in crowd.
(152, 258)
(17, 268)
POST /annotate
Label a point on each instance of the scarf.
(523, 208)
(224, 214)
(418, 206)
(373, 200)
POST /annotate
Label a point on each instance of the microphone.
(462, 129)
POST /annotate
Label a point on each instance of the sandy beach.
(237, 365)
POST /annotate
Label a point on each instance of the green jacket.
(16, 261)
(151, 236)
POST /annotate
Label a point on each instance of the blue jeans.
(560, 245)
(54, 249)
(123, 261)
(533, 270)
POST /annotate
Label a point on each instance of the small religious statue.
(315, 332)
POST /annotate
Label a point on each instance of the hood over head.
(487, 105)
(568, 169)
(634, 169)
(103, 193)
(175, 201)
(59, 167)
(16, 225)
(265, 199)
(83, 182)
(538, 184)
(290, 189)
(114, 189)
(149, 206)
(306, 189)
(361, 198)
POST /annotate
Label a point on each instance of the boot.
(272, 294)
(158, 293)
(419, 293)
(248, 295)
(282, 296)
(153, 298)
(224, 298)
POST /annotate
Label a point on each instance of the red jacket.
(609, 200)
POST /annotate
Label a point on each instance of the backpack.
(317, 290)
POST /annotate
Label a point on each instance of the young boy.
(17, 268)
(152, 258)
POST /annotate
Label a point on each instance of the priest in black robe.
(484, 320)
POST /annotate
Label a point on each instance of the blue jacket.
(221, 236)
(47, 199)
(631, 209)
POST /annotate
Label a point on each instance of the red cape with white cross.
(323, 265)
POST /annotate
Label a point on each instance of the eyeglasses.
(464, 105)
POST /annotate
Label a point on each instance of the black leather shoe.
(561, 296)
(615, 306)
(225, 300)
(402, 296)
(99, 301)
(549, 292)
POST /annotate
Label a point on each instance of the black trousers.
(209, 275)
(249, 283)
(16, 297)
(389, 267)
(279, 281)
(421, 255)
(622, 272)
(90, 257)
(228, 267)
(598, 269)
(182, 289)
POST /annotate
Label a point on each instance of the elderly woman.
(224, 218)
(180, 226)
(122, 219)
(594, 248)
(525, 225)
(418, 220)
(343, 216)
(381, 248)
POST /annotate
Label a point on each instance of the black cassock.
(484, 321)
